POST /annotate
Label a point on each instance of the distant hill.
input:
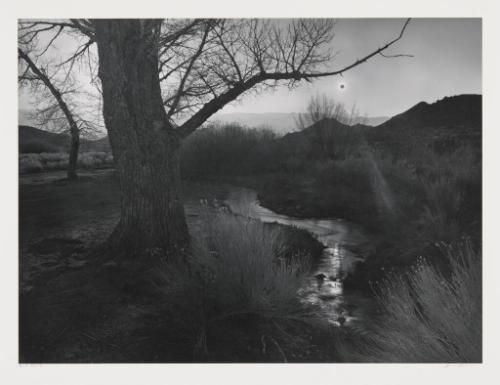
(101, 145)
(280, 123)
(33, 139)
(325, 128)
(328, 138)
(444, 124)
(452, 111)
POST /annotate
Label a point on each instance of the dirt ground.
(76, 304)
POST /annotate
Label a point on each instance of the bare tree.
(60, 105)
(161, 80)
(38, 74)
(321, 109)
(323, 113)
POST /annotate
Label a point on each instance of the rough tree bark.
(73, 127)
(74, 146)
(145, 146)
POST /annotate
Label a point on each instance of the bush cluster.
(51, 161)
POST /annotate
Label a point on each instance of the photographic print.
(250, 190)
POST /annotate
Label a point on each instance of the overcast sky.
(446, 61)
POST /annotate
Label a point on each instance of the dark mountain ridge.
(451, 111)
(32, 139)
(444, 124)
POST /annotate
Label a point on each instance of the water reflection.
(344, 244)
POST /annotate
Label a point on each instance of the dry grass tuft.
(428, 316)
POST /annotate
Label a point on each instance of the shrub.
(50, 157)
(239, 274)
(30, 163)
(226, 150)
(44, 161)
(439, 220)
(428, 315)
(92, 159)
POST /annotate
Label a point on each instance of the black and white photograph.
(249, 190)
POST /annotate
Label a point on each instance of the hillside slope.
(445, 124)
(35, 140)
(462, 111)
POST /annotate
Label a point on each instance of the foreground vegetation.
(242, 280)
(52, 161)
(428, 315)
(239, 288)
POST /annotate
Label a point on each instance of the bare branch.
(188, 70)
(396, 55)
(296, 46)
(359, 61)
(55, 92)
(61, 28)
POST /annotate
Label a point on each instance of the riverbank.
(408, 209)
(414, 183)
(292, 201)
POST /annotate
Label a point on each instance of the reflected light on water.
(324, 288)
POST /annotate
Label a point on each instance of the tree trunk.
(145, 146)
(73, 152)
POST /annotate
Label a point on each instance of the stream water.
(345, 245)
